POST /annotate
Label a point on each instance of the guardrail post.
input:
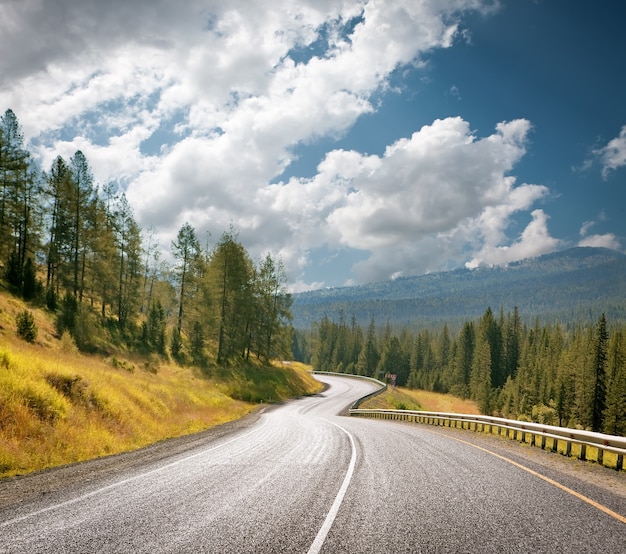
(583, 452)
(620, 462)
(600, 457)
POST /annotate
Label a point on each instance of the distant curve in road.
(301, 478)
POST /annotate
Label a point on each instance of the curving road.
(301, 478)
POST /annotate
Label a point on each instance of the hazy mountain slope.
(573, 285)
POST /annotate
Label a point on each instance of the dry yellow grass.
(400, 398)
(58, 406)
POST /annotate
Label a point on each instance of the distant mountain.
(574, 285)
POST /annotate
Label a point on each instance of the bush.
(26, 327)
(67, 343)
(544, 414)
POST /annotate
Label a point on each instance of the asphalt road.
(301, 478)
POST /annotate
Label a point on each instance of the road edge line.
(317, 544)
(552, 482)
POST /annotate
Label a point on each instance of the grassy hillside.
(400, 398)
(58, 406)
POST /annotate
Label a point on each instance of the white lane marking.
(119, 483)
(334, 509)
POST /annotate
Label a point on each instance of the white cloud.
(613, 155)
(251, 82)
(428, 183)
(608, 240)
(534, 241)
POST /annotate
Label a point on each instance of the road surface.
(301, 478)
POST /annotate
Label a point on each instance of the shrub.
(67, 343)
(121, 364)
(26, 327)
(544, 414)
(73, 388)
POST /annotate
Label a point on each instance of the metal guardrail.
(511, 428)
(520, 430)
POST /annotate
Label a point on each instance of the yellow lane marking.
(558, 485)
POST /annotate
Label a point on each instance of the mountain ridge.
(568, 285)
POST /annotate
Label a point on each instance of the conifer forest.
(74, 247)
(565, 375)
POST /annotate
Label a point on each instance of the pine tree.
(615, 412)
(81, 197)
(512, 343)
(480, 379)
(394, 360)
(26, 326)
(128, 237)
(599, 374)
(463, 361)
(230, 275)
(59, 181)
(186, 250)
(273, 315)
(19, 196)
(369, 357)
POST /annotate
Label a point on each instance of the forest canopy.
(572, 376)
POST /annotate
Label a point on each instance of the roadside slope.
(58, 406)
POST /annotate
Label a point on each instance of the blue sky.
(358, 141)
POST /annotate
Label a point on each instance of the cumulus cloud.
(423, 205)
(534, 241)
(240, 86)
(607, 240)
(613, 155)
